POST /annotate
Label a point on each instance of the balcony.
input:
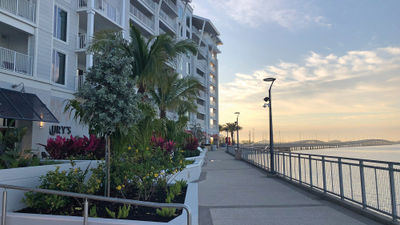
(149, 3)
(105, 8)
(15, 62)
(81, 41)
(201, 64)
(149, 23)
(213, 81)
(22, 8)
(203, 51)
(213, 104)
(171, 23)
(196, 32)
(172, 6)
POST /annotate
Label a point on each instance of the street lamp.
(271, 134)
(237, 133)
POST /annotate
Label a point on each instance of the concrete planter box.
(192, 172)
(191, 200)
(29, 177)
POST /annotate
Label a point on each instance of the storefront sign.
(53, 130)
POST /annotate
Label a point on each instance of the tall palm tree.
(172, 93)
(231, 128)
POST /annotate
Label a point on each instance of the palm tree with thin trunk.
(173, 93)
(232, 128)
(149, 55)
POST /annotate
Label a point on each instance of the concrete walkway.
(232, 192)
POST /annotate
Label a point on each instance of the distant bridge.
(316, 144)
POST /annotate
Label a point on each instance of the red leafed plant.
(75, 147)
(191, 143)
(160, 142)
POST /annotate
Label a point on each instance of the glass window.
(58, 67)
(60, 24)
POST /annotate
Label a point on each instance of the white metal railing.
(23, 8)
(212, 103)
(202, 65)
(150, 23)
(168, 20)
(15, 61)
(171, 5)
(82, 3)
(86, 198)
(197, 32)
(213, 80)
(150, 3)
(81, 80)
(82, 41)
(108, 10)
(203, 51)
(370, 184)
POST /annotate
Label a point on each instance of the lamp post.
(237, 135)
(271, 133)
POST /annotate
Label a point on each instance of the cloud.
(291, 14)
(349, 91)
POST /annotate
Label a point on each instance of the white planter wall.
(191, 200)
(29, 177)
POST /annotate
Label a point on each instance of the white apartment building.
(43, 57)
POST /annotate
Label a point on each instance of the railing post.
(85, 212)
(323, 173)
(283, 164)
(362, 181)
(341, 178)
(4, 208)
(15, 62)
(393, 192)
(290, 165)
(310, 165)
(299, 168)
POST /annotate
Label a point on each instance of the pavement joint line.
(263, 206)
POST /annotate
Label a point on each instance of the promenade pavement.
(232, 192)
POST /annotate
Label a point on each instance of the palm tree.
(231, 128)
(150, 56)
(175, 94)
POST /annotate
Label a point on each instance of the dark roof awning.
(24, 106)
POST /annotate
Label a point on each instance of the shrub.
(191, 143)
(75, 147)
(72, 180)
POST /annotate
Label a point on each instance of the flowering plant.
(75, 147)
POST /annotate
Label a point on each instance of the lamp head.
(266, 99)
(237, 113)
(269, 79)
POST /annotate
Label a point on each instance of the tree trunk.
(108, 156)
(163, 114)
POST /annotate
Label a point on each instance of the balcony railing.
(171, 5)
(202, 65)
(203, 51)
(23, 8)
(142, 17)
(168, 20)
(16, 62)
(82, 3)
(197, 32)
(150, 3)
(82, 41)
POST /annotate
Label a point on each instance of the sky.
(337, 65)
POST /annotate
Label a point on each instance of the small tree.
(107, 102)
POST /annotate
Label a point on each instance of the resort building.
(43, 57)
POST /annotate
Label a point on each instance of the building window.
(59, 67)
(200, 116)
(60, 24)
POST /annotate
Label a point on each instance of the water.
(383, 152)
(376, 175)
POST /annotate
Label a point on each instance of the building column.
(124, 18)
(90, 31)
